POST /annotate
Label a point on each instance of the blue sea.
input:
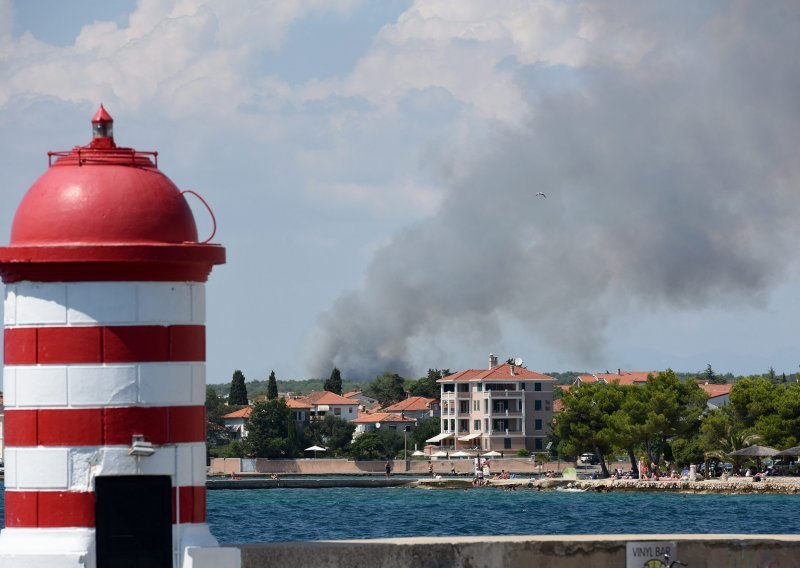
(262, 515)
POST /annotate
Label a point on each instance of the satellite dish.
(518, 361)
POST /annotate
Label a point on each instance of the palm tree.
(733, 440)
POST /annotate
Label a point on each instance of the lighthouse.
(104, 367)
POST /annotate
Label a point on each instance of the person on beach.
(452, 468)
(430, 469)
(388, 469)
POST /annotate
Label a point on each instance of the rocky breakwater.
(782, 485)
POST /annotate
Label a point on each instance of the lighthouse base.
(75, 548)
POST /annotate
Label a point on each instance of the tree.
(711, 377)
(267, 430)
(238, 394)
(215, 408)
(663, 408)
(334, 383)
(367, 446)
(427, 386)
(771, 375)
(585, 423)
(272, 387)
(387, 389)
(292, 443)
(332, 433)
(425, 430)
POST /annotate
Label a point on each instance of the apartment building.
(503, 408)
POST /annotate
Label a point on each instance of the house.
(301, 411)
(505, 407)
(417, 407)
(364, 402)
(324, 403)
(380, 420)
(626, 378)
(718, 395)
(236, 422)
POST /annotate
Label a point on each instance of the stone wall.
(699, 551)
(322, 466)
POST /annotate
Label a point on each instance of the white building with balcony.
(504, 408)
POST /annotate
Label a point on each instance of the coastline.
(733, 485)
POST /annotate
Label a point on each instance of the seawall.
(596, 551)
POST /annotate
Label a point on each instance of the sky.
(374, 168)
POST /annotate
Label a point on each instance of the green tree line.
(667, 419)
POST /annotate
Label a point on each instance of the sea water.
(262, 515)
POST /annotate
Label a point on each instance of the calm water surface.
(261, 515)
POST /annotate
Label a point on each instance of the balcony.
(490, 394)
(510, 413)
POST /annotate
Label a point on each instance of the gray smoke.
(672, 182)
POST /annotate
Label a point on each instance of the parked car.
(589, 459)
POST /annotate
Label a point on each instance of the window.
(522, 386)
(537, 404)
(506, 443)
(537, 443)
(537, 424)
(452, 424)
(480, 387)
(485, 406)
(448, 387)
(476, 405)
(464, 406)
(463, 425)
(476, 425)
(485, 424)
(350, 410)
(463, 388)
(537, 386)
(337, 411)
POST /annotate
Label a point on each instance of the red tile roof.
(381, 417)
(351, 394)
(499, 373)
(325, 397)
(624, 377)
(558, 406)
(411, 404)
(241, 413)
(716, 390)
(297, 404)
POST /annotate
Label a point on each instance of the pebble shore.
(778, 485)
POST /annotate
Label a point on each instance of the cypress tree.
(334, 383)
(272, 387)
(238, 394)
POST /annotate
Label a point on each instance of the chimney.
(511, 368)
(492, 360)
(619, 372)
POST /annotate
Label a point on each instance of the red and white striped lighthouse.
(104, 377)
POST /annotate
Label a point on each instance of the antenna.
(518, 361)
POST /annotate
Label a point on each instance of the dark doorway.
(133, 516)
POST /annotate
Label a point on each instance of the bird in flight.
(542, 194)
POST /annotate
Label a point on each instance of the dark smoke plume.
(670, 181)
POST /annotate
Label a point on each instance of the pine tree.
(238, 394)
(272, 387)
(292, 445)
(334, 383)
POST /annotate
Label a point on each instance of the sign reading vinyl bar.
(650, 554)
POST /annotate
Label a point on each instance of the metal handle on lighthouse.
(210, 212)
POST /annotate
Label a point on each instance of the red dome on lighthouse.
(108, 211)
(102, 194)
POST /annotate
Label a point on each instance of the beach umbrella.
(439, 455)
(492, 454)
(789, 453)
(459, 454)
(757, 452)
(316, 449)
(418, 453)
